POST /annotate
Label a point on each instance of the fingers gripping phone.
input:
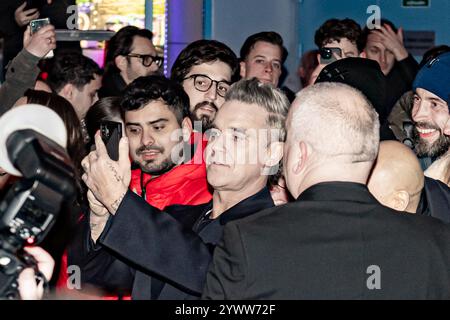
(111, 133)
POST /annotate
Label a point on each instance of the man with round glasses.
(130, 55)
(206, 69)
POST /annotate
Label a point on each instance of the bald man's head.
(397, 178)
(332, 135)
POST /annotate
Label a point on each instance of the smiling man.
(431, 107)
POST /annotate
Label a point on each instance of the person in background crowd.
(206, 69)
(397, 179)
(385, 45)
(130, 55)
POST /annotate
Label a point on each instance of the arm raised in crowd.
(154, 241)
(23, 69)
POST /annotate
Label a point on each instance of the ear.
(400, 200)
(318, 58)
(275, 154)
(302, 157)
(186, 126)
(67, 91)
(363, 54)
(121, 62)
(243, 69)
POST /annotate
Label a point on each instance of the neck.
(344, 172)
(226, 199)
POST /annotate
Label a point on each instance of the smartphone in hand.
(111, 133)
(37, 24)
(328, 55)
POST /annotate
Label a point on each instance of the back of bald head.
(397, 178)
(337, 121)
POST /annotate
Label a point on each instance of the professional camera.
(31, 205)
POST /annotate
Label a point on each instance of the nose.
(268, 67)
(420, 111)
(211, 94)
(147, 138)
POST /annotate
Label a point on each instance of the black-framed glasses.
(203, 83)
(147, 59)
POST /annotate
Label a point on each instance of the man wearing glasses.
(130, 55)
(206, 69)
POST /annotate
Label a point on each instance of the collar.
(338, 191)
(255, 203)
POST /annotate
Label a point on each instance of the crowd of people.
(229, 187)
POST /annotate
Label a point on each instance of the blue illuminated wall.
(312, 13)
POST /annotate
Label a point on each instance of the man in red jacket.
(166, 171)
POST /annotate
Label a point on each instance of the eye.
(276, 65)
(259, 61)
(416, 99)
(223, 88)
(159, 127)
(134, 131)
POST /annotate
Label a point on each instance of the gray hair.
(266, 96)
(336, 120)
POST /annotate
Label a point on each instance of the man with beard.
(155, 114)
(131, 54)
(170, 256)
(431, 118)
(206, 69)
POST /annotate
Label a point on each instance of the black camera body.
(31, 206)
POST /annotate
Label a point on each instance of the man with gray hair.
(336, 241)
(173, 248)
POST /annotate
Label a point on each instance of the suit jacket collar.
(255, 203)
(338, 191)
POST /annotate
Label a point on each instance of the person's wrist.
(400, 54)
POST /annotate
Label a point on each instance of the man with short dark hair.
(262, 57)
(130, 54)
(76, 78)
(206, 69)
(170, 250)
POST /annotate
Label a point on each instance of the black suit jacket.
(160, 255)
(328, 245)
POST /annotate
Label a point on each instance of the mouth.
(149, 155)
(207, 109)
(266, 80)
(426, 133)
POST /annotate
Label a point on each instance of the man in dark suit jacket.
(336, 241)
(168, 253)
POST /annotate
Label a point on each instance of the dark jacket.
(161, 255)
(22, 74)
(400, 80)
(435, 200)
(112, 85)
(335, 242)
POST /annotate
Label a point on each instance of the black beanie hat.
(362, 74)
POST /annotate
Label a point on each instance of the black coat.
(161, 255)
(327, 245)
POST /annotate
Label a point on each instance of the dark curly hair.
(73, 68)
(120, 45)
(203, 51)
(335, 30)
(144, 90)
(265, 36)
